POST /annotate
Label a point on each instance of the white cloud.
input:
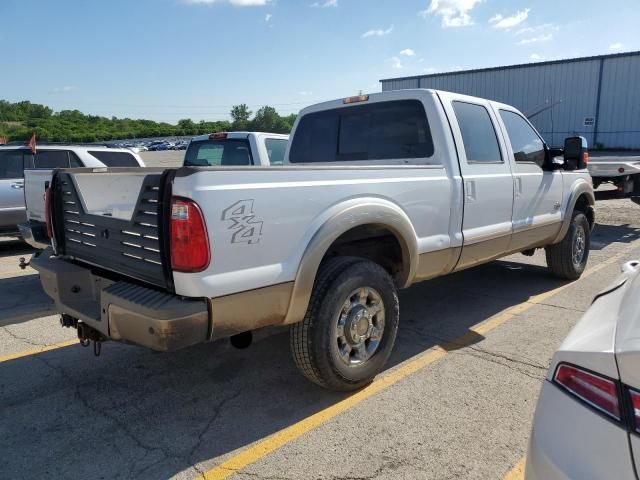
(536, 57)
(268, 17)
(509, 22)
(454, 13)
(615, 46)
(65, 89)
(541, 38)
(546, 27)
(377, 32)
(408, 52)
(395, 63)
(235, 3)
(325, 4)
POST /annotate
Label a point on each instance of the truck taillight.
(189, 241)
(635, 404)
(47, 212)
(598, 391)
(585, 158)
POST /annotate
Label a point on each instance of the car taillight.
(47, 212)
(585, 158)
(189, 240)
(635, 403)
(599, 392)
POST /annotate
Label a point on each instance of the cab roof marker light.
(356, 99)
(218, 136)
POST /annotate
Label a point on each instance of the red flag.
(32, 143)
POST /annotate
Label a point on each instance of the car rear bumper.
(124, 311)
(570, 440)
(35, 234)
(10, 218)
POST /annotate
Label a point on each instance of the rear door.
(486, 173)
(537, 212)
(12, 210)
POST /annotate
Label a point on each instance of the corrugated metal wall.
(573, 84)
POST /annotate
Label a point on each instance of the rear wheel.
(350, 326)
(568, 258)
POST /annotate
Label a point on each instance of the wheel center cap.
(357, 325)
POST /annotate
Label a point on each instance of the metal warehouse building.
(596, 97)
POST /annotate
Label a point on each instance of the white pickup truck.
(235, 149)
(377, 192)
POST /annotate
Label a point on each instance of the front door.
(486, 173)
(537, 212)
(12, 210)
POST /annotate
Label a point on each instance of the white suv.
(14, 160)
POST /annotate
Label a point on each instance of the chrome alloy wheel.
(579, 246)
(360, 326)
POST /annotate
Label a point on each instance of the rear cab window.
(115, 159)
(392, 130)
(221, 152)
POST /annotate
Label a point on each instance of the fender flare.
(577, 190)
(356, 212)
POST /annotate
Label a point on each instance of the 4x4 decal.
(245, 227)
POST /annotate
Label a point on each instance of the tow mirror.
(576, 154)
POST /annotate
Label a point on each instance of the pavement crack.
(15, 336)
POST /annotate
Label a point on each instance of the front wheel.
(350, 326)
(568, 258)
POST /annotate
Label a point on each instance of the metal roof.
(519, 65)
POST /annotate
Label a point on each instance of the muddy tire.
(350, 326)
(568, 258)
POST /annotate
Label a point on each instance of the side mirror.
(576, 154)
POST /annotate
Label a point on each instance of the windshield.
(213, 153)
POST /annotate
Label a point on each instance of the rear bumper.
(124, 311)
(35, 234)
(570, 441)
(10, 218)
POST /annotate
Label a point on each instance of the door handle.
(470, 190)
(17, 186)
(518, 185)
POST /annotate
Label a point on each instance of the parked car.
(37, 177)
(236, 149)
(587, 421)
(377, 192)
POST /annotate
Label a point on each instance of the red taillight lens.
(585, 157)
(597, 391)
(189, 241)
(47, 212)
(635, 403)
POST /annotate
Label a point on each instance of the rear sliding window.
(115, 159)
(377, 131)
(214, 153)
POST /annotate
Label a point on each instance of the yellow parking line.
(281, 438)
(35, 351)
(517, 472)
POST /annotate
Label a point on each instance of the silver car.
(587, 421)
(12, 209)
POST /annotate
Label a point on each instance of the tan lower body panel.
(241, 312)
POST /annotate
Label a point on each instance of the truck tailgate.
(35, 184)
(111, 220)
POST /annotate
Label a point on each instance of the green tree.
(240, 115)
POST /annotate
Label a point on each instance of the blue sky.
(172, 59)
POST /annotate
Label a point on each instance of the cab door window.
(11, 165)
(478, 135)
(525, 142)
